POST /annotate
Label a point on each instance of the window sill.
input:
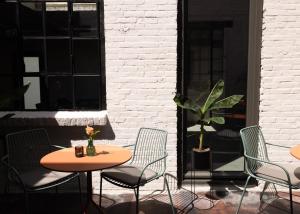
(54, 118)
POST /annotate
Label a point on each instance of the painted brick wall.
(280, 76)
(140, 46)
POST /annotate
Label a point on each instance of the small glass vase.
(90, 149)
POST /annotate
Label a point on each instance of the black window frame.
(44, 76)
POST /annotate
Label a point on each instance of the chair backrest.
(150, 145)
(254, 146)
(26, 148)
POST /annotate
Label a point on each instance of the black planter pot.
(201, 159)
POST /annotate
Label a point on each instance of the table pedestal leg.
(90, 206)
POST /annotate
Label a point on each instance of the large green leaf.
(215, 93)
(218, 120)
(5, 99)
(186, 103)
(227, 102)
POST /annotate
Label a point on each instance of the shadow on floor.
(125, 203)
(149, 206)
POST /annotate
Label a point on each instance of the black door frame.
(253, 78)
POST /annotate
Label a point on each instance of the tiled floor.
(214, 202)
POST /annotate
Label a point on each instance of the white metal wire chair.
(24, 151)
(259, 166)
(147, 164)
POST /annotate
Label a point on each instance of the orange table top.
(107, 156)
(295, 151)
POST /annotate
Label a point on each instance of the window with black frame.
(57, 47)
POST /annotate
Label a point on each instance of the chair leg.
(100, 194)
(291, 200)
(276, 193)
(265, 187)
(137, 200)
(263, 191)
(166, 184)
(246, 184)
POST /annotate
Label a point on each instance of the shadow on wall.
(58, 133)
(64, 135)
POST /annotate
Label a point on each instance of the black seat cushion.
(129, 175)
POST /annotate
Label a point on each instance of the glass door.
(216, 48)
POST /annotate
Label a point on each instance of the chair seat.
(129, 175)
(278, 175)
(43, 177)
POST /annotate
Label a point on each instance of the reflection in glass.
(57, 19)
(31, 64)
(34, 49)
(31, 16)
(60, 93)
(32, 95)
(84, 19)
(87, 92)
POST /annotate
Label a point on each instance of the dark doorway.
(215, 46)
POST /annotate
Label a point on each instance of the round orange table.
(107, 156)
(295, 151)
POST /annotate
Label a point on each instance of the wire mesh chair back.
(150, 145)
(254, 146)
(26, 148)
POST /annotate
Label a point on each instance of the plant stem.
(201, 136)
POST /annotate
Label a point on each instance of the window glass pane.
(8, 14)
(218, 65)
(217, 53)
(7, 85)
(86, 56)
(34, 54)
(57, 19)
(84, 19)
(60, 92)
(8, 53)
(218, 34)
(87, 92)
(31, 64)
(32, 95)
(58, 56)
(31, 17)
(204, 52)
(204, 67)
(8, 38)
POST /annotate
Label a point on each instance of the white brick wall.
(280, 76)
(140, 46)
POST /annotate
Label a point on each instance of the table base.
(90, 206)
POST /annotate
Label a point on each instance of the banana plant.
(202, 110)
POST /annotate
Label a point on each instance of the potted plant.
(203, 113)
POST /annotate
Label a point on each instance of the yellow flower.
(89, 130)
